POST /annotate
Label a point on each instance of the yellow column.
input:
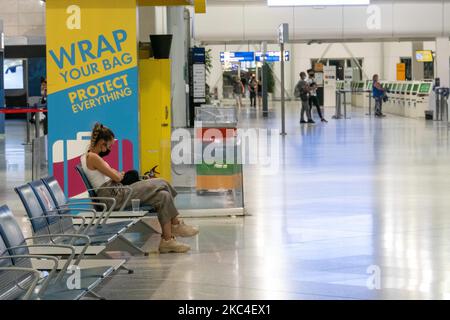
(155, 116)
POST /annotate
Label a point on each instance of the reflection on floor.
(357, 210)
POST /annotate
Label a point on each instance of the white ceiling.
(231, 2)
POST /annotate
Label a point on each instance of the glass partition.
(206, 164)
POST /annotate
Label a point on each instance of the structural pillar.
(417, 67)
(442, 60)
(177, 27)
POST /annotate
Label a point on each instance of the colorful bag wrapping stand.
(92, 77)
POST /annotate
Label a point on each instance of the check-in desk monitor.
(409, 88)
(425, 88)
(403, 95)
(423, 99)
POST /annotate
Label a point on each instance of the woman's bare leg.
(175, 221)
(167, 231)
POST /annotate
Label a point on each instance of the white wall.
(23, 19)
(301, 55)
(379, 57)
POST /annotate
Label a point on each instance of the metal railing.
(339, 100)
(39, 156)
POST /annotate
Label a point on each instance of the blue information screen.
(238, 56)
(272, 56)
(243, 56)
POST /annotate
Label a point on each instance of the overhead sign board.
(424, 56)
(283, 33)
(237, 56)
(271, 56)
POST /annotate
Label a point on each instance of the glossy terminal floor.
(351, 197)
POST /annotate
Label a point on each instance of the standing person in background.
(378, 93)
(313, 99)
(44, 103)
(244, 84)
(302, 92)
(238, 90)
(252, 87)
(259, 90)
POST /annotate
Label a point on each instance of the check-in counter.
(390, 103)
(367, 94)
(411, 99)
(423, 99)
(397, 96)
(357, 95)
(401, 107)
(384, 85)
(354, 88)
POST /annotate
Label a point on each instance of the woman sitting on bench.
(155, 192)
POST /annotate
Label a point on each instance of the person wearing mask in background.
(238, 90)
(302, 92)
(252, 87)
(378, 93)
(259, 90)
(313, 99)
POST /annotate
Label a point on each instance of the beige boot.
(183, 230)
(172, 245)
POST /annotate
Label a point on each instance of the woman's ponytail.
(100, 132)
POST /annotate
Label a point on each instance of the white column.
(161, 20)
(442, 60)
(146, 24)
(177, 27)
(417, 67)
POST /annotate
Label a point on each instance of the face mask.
(104, 154)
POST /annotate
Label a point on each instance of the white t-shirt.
(313, 93)
(96, 178)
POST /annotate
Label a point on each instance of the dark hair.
(101, 132)
(302, 74)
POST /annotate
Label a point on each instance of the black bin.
(161, 44)
(429, 114)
